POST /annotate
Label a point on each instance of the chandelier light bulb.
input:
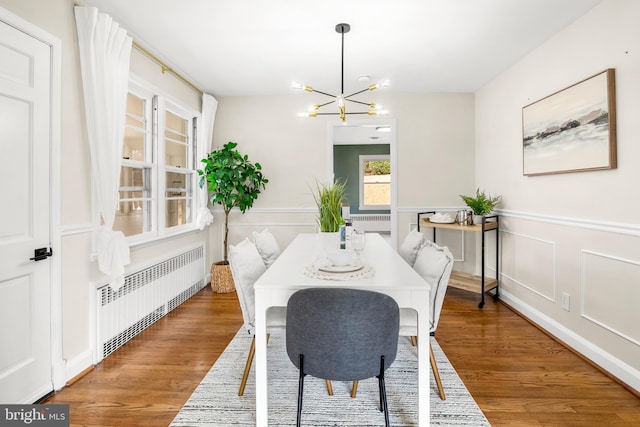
(300, 86)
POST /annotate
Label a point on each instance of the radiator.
(371, 222)
(146, 296)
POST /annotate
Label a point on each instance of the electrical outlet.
(565, 301)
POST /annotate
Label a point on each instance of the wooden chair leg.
(436, 373)
(329, 387)
(247, 366)
(354, 389)
(414, 340)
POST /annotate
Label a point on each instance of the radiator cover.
(147, 295)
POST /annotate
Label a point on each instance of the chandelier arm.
(326, 103)
(323, 93)
(337, 114)
(358, 102)
(356, 93)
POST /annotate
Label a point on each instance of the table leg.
(262, 407)
(423, 361)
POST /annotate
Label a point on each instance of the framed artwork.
(572, 130)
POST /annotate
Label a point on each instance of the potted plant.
(329, 198)
(481, 205)
(232, 181)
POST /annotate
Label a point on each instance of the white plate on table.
(341, 268)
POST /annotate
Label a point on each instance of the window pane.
(178, 198)
(134, 207)
(377, 183)
(176, 154)
(133, 145)
(176, 149)
(135, 131)
(133, 217)
(178, 212)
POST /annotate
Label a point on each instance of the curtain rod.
(165, 67)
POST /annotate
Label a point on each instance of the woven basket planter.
(221, 278)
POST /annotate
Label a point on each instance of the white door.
(25, 319)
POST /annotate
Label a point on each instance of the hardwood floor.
(518, 375)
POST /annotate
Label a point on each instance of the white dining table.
(391, 275)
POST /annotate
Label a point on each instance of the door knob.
(40, 254)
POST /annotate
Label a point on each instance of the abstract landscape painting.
(571, 130)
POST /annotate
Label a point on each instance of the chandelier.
(341, 100)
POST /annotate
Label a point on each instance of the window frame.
(157, 103)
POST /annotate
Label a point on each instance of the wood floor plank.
(518, 375)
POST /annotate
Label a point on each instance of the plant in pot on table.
(481, 205)
(232, 181)
(329, 198)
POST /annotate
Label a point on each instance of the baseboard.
(625, 374)
(78, 366)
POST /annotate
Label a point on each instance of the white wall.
(574, 233)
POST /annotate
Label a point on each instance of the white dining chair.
(247, 266)
(410, 247)
(267, 246)
(434, 263)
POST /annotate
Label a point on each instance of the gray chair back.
(342, 333)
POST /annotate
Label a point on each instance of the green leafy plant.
(379, 167)
(232, 181)
(482, 203)
(329, 198)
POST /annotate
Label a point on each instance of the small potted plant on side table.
(481, 205)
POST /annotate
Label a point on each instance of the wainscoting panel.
(530, 263)
(608, 300)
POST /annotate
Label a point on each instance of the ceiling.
(258, 47)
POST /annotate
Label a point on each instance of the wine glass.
(358, 239)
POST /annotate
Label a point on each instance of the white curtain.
(209, 107)
(105, 51)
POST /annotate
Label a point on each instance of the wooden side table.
(467, 281)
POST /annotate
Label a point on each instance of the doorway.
(372, 136)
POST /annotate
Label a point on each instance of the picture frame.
(572, 130)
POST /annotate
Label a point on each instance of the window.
(157, 179)
(375, 182)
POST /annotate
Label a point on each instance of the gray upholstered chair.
(434, 263)
(343, 335)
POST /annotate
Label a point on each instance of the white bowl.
(340, 257)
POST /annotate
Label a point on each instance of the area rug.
(215, 402)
